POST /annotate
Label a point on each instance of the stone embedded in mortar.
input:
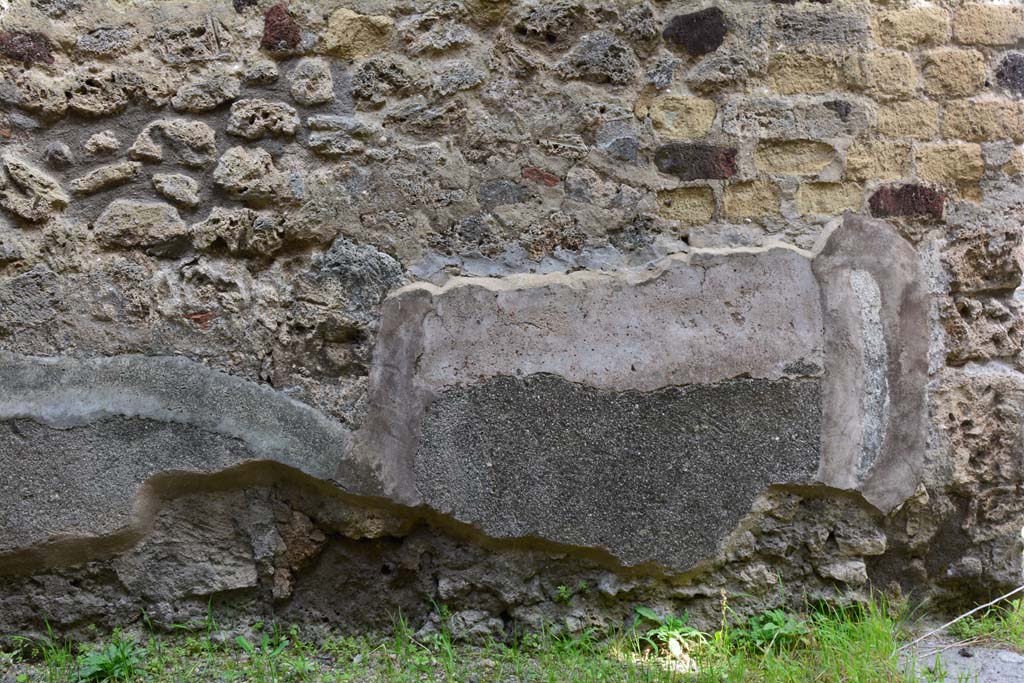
(104, 142)
(28, 192)
(206, 93)
(42, 95)
(438, 37)
(983, 260)
(192, 143)
(105, 177)
(178, 188)
(600, 57)
(351, 35)
(280, 32)
(253, 119)
(908, 200)
(697, 33)
(260, 72)
(982, 329)
(825, 26)
(639, 23)
(154, 227)
(310, 82)
(242, 232)
(249, 175)
(696, 160)
(1010, 72)
(58, 155)
(27, 47)
(550, 22)
(107, 42)
(201, 40)
(456, 77)
(96, 93)
(378, 78)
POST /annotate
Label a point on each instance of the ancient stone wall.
(323, 309)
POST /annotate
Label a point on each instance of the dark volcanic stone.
(696, 160)
(499, 192)
(697, 33)
(907, 200)
(26, 47)
(280, 32)
(1010, 72)
(540, 456)
(840, 107)
(241, 5)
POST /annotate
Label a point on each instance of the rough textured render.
(323, 309)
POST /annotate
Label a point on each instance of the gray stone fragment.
(825, 25)
(501, 192)
(178, 188)
(600, 57)
(310, 82)
(105, 177)
(334, 143)
(106, 42)
(442, 36)
(456, 77)
(253, 119)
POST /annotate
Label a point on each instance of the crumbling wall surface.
(324, 309)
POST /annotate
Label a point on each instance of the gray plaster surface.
(656, 476)
(79, 439)
(692, 319)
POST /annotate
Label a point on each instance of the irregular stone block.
(104, 142)
(280, 32)
(601, 58)
(253, 119)
(106, 42)
(27, 47)
(206, 94)
(179, 188)
(105, 177)
(695, 160)
(192, 143)
(242, 232)
(250, 176)
(130, 224)
(311, 82)
(907, 200)
(351, 35)
(697, 33)
(28, 192)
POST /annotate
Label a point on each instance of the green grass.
(1001, 625)
(824, 645)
